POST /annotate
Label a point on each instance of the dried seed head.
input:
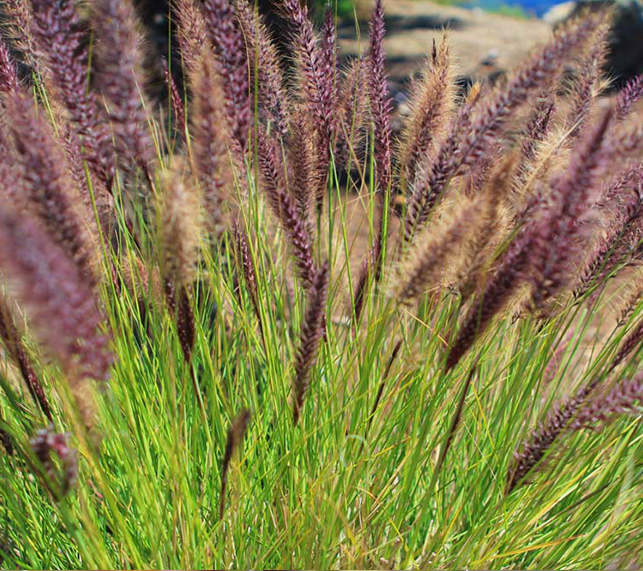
(431, 103)
(120, 78)
(274, 100)
(211, 141)
(180, 224)
(352, 112)
(192, 33)
(436, 251)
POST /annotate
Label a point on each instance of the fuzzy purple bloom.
(119, 78)
(13, 344)
(236, 432)
(246, 267)
(559, 235)
(62, 39)
(47, 443)
(310, 338)
(380, 100)
(473, 133)
(61, 304)
(317, 84)
(285, 208)
(264, 60)
(543, 438)
(628, 96)
(624, 398)
(230, 50)
(498, 291)
(176, 101)
(625, 197)
(46, 182)
(8, 72)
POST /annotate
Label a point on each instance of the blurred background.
(488, 37)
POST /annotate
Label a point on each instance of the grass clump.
(203, 371)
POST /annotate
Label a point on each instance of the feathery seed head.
(180, 228)
(60, 303)
(230, 50)
(310, 338)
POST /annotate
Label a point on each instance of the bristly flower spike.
(628, 96)
(264, 61)
(316, 85)
(310, 338)
(477, 126)
(47, 186)
(46, 443)
(284, 207)
(60, 303)
(8, 72)
(380, 104)
(61, 38)
(229, 47)
(543, 438)
(120, 80)
(236, 432)
(13, 344)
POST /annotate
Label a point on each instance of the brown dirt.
(482, 42)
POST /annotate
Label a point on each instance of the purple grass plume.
(236, 432)
(628, 96)
(180, 238)
(46, 444)
(479, 125)
(119, 77)
(541, 440)
(273, 98)
(495, 295)
(211, 141)
(176, 101)
(316, 81)
(246, 267)
(230, 50)
(353, 104)
(48, 189)
(8, 72)
(559, 235)
(61, 37)
(622, 209)
(285, 208)
(624, 397)
(61, 305)
(12, 342)
(310, 338)
(432, 101)
(192, 33)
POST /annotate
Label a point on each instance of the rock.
(626, 43)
